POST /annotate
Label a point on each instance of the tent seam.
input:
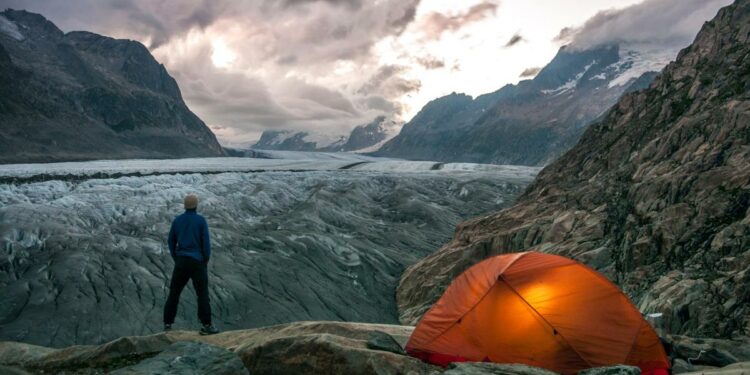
(479, 300)
(632, 345)
(545, 320)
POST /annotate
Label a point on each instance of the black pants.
(186, 268)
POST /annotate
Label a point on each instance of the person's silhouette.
(190, 247)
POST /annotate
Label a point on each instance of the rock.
(680, 366)
(14, 353)
(482, 368)
(6, 370)
(612, 370)
(303, 347)
(741, 368)
(382, 341)
(189, 358)
(710, 352)
(659, 186)
(337, 347)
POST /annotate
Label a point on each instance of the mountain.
(535, 121)
(363, 138)
(79, 95)
(656, 196)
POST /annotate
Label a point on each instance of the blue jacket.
(189, 237)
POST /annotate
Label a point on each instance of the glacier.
(84, 258)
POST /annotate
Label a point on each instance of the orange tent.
(537, 309)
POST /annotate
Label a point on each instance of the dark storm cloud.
(388, 82)
(530, 72)
(667, 22)
(435, 24)
(430, 62)
(353, 4)
(286, 60)
(515, 39)
(380, 77)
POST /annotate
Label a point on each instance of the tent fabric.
(538, 309)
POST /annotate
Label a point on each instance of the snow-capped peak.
(637, 59)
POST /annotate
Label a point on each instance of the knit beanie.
(191, 202)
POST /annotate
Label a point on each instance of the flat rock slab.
(380, 340)
(302, 347)
(612, 370)
(740, 368)
(188, 358)
(485, 368)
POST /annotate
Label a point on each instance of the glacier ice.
(84, 260)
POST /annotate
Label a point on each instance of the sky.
(245, 66)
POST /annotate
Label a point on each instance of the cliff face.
(656, 196)
(530, 123)
(85, 96)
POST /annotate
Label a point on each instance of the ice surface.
(84, 260)
(281, 161)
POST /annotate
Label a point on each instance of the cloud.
(515, 39)
(434, 24)
(430, 62)
(530, 72)
(388, 82)
(666, 22)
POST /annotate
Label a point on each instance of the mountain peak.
(81, 95)
(30, 23)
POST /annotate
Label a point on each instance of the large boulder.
(303, 347)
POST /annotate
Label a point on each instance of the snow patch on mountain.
(571, 84)
(637, 59)
(10, 28)
(390, 130)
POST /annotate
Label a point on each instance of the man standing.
(191, 249)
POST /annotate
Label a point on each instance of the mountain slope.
(85, 96)
(535, 121)
(656, 196)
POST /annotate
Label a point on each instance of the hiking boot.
(208, 329)
(167, 327)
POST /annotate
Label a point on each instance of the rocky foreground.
(303, 348)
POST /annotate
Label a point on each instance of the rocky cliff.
(533, 122)
(656, 196)
(79, 95)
